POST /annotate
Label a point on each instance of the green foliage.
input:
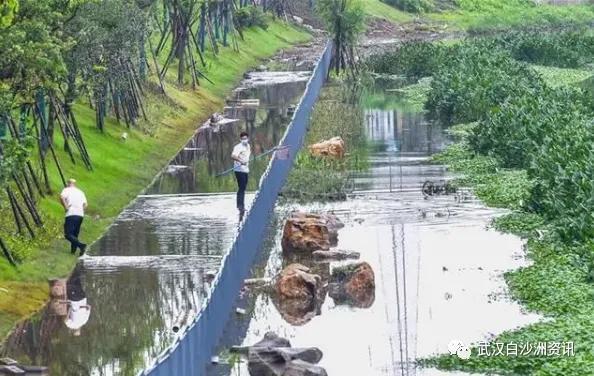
(414, 6)
(566, 49)
(487, 6)
(379, 9)
(344, 20)
(515, 130)
(108, 34)
(520, 223)
(250, 16)
(476, 78)
(7, 10)
(31, 51)
(411, 59)
(555, 77)
(547, 133)
(563, 167)
(488, 15)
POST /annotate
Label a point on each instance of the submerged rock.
(333, 148)
(353, 284)
(309, 232)
(274, 356)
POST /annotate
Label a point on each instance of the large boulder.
(295, 282)
(353, 284)
(299, 293)
(333, 148)
(274, 356)
(308, 232)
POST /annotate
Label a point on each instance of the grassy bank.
(483, 15)
(495, 14)
(123, 169)
(379, 9)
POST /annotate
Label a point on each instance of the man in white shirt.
(241, 159)
(74, 202)
(79, 310)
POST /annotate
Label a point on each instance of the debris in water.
(274, 355)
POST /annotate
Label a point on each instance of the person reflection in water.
(79, 310)
(241, 159)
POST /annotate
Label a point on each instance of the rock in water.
(309, 232)
(271, 339)
(273, 356)
(353, 284)
(295, 282)
(299, 294)
(301, 368)
(333, 148)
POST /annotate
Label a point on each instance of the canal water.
(438, 266)
(146, 278)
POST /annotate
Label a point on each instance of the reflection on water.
(185, 225)
(133, 315)
(399, 144)
(148, 274)
(438, 270)
(209, 151)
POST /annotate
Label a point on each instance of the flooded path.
(146, 278)
(438, 268)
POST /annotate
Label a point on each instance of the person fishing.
(74, 202)
(241, 158)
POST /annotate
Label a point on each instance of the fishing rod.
(253, 159)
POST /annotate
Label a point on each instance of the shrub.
(413, 59)
(566, 49)
(250, 16)
(513, 131)
(476, 78)
(563, 164)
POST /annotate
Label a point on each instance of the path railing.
(192, 351)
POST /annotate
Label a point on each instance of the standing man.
(74, 202)
(241, 159)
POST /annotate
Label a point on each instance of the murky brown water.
(147, 276)
(438, 268)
